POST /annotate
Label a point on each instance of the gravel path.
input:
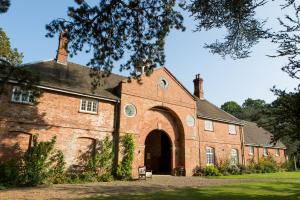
(73, 191)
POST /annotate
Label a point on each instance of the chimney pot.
(62, 51)
(198, 87)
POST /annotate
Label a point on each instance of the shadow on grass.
(250, 191)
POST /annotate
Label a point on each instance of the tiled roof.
(205, 109)
(75, 78)
(254, 135)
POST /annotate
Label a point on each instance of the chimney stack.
(62, 51)
(198, 87)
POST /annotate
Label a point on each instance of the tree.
(137, 29)
(252, 109)
(4, 5)
(7, 53)
(233, 108)
(10, 59)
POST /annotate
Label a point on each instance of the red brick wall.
(55, 114)
(259, 153)
(173, 105)
(220, 140)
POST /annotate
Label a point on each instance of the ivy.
(124, 169)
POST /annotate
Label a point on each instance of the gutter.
(73, 93)
(221, 120)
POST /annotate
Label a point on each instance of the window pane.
(94, 106)
(208, 125)
(210, 156)
(234, 156)
(83, 105)
(232, 129)
(89, 106)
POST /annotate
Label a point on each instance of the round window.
(163, 83)
(190, 120)
(130, 110)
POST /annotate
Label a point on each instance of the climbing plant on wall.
(124, 169)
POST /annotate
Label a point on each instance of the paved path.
(73, 191)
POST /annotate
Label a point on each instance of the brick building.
(172, 127)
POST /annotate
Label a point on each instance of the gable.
(161, 85)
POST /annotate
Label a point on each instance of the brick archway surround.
(163, 119)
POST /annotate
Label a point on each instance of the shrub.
(288, 165)
(9, 173)
(39, 163)
(100, 165)
(124, 169)
(197, 171)
(211, 171)
(266, 165)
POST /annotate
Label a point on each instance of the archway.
(158, 152)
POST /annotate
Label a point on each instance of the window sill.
(209, 130)
(24, 103)
(86, 112)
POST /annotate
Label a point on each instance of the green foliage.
(226, 168)
(133, 28)
(4, 5)
(233, 108)
(40, 164)
(9, 173)
(9, 60)
(266, 165)
(7, 52)
(37, 163)
(124, 169)
(100, 165)
(211, 170)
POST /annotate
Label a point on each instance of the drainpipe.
(242, 145)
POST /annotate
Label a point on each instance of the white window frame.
(25, 96)
(232, 129)
(277, 152)
(265, 152)
(208, 125)
(86, 103)
(210, 156)
(234, 157)
(251, 150)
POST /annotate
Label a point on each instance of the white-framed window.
(251, 150)
(234, 157)
(88, 106)
(266, 153)
(21, 96)
(232, 129)
(208, 125)
(210, 156)
(277, 152)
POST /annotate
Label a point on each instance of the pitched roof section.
(254, 135)
(205, 109)
(74, 78)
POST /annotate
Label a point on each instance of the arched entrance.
(158, 152)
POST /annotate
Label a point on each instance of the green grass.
(273, 186)
(277, 175)
(275, 190)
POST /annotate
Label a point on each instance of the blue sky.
(224, 79)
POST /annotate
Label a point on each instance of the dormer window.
(232, 129)
(88, 106)
(22, 96)
(208, 125)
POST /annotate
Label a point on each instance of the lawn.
(277, 175)
(273, 186)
